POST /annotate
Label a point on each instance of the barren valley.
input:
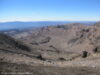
(68, 49)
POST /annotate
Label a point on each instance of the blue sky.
(49, 10)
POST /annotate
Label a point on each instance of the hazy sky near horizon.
(49, 10)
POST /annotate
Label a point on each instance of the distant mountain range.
(20, 25)
(53, 43)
